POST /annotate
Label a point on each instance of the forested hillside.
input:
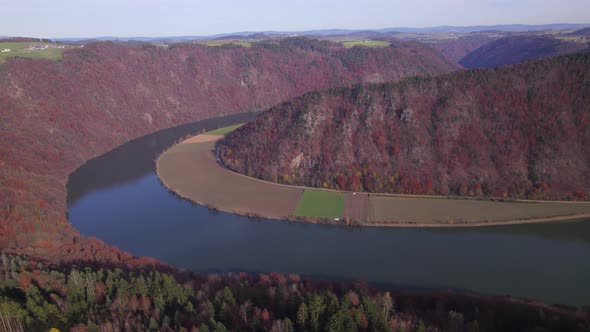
(55, 115)
(521, 131)
(515, 49)
(34, 297)
(456, 49)
(581, 33)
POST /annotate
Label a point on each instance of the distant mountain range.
(329, 32)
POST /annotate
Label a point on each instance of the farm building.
(5, 50)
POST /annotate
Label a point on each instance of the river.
(118, 198)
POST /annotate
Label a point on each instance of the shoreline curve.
(190, 169)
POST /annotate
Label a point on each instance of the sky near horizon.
(124, 18)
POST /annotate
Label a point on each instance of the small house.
(39, 47)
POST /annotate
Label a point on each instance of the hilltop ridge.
(520, 131)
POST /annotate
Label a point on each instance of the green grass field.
(224, 130)
(226, 42)
(320, 204)
(574, 39)
(367, 43)
(21, 49)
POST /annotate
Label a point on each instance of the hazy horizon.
(72, 19)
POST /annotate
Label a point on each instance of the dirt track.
(190, 169)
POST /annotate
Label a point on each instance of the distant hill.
(23, 39)
(521, 131)
(480, 28)
(332, 32)
(457, 49)
(581, 33)
(515, 49)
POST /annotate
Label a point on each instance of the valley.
(280, 181)
(432, 259)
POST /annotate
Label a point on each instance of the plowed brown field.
(191, 170)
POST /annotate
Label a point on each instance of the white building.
(39, 47)
(6, 50)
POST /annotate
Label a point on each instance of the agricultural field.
(574, 39)
(227, 42)
(23, 49)
(224, 130)
(320, 204)
(190, 169)
(406, 209)
(356, 207)
(367, 43)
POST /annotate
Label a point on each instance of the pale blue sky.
(91, 18)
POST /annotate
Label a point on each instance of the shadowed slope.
(515, 49)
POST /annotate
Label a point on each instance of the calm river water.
(118, 198)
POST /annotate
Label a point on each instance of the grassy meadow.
(367, 43)
(224, 130)
(21, 49)
(227, 42)
(320, 204)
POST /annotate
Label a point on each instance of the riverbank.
(136, 211)
(191, 170)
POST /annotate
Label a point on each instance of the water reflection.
(135, 159)
(569, 231)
